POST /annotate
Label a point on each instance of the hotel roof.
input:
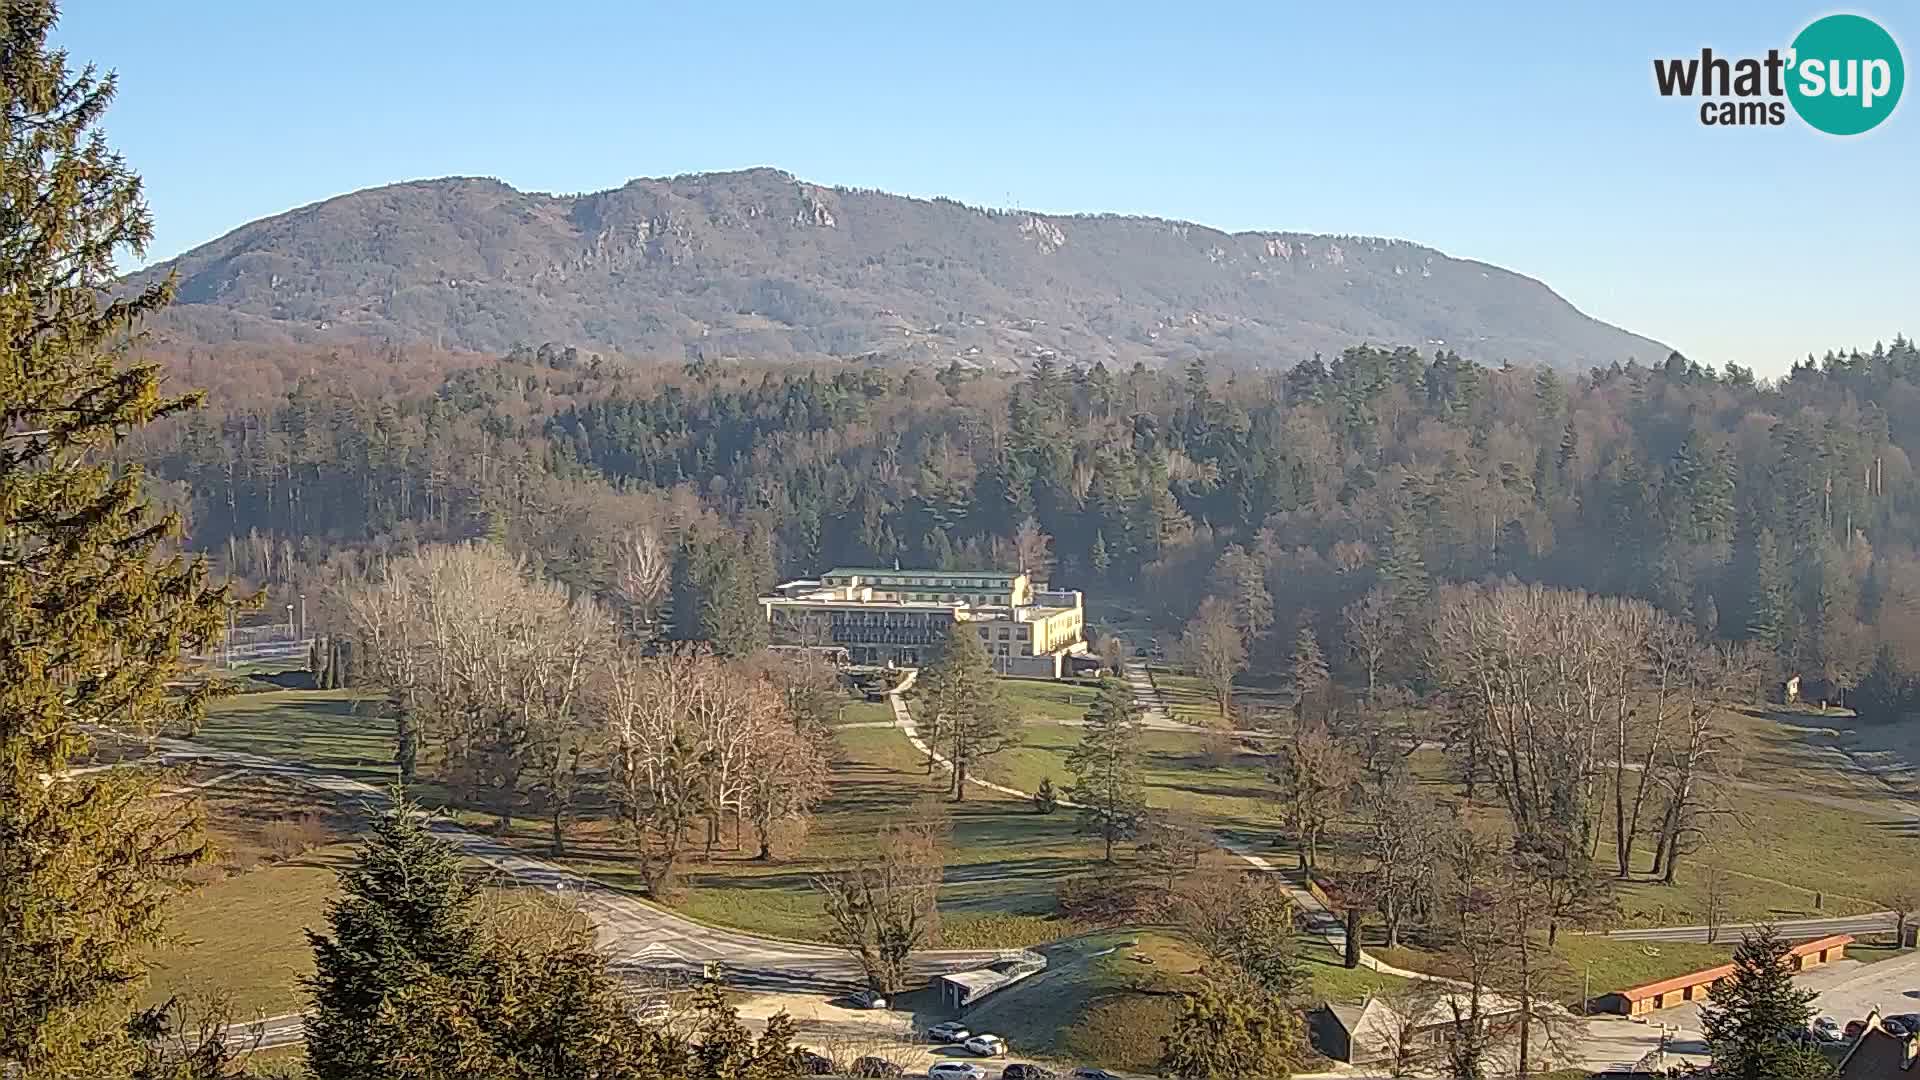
(881, 571)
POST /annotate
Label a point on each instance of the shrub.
(1106, 900)
(1046, 800)
(290, 838)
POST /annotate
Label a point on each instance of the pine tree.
(1310, 677)
(1224, 1033)
(1769, 597)
(1045, 799)
(94, 611)
(406, 915)
(1756, 1011)
(1100, 559)
(1403, 567)
(1106, 767)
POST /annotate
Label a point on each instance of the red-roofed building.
(1697, 986)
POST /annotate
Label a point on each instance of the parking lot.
(1848, 991)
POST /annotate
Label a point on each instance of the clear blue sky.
(1524, 134)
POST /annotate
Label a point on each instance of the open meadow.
(1811, 834)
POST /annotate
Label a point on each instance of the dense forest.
(1783, 511)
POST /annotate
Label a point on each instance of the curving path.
(638, 937)
(1318, 921)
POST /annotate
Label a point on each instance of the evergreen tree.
(94, 612)
(406, 918)
(1757, 1015)
(1224, 1033)
(1310, 676)
(1769, 595)
(716, 589)
(1045, 799)
(416, 983)
(1106, 767)
(1100, 560)
(1403, 566)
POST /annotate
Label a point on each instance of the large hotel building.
(899, 617)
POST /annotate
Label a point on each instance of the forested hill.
(758, 264)
(1786, 513)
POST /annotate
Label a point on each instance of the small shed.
(959, 989)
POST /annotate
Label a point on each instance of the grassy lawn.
(1177, 773)
(1617, 965)
(866, 712)
(1038, 701)
(241, 931)
(1110, 996)
(1104, 998)
(1004, 860)
(1333, 982)
(1815, 832)
(1613, 965)
(1187, 699)
(336, 729)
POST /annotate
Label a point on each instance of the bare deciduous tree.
(787, 778)
(1316, 774)
(1373, 627)
(494, 662)
(1033, 550)
(643, 575)
(880, 910)
(1212, 647)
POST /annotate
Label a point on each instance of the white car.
(986, 1045)
(869, 999)
(948, 1032)
(957, 1070)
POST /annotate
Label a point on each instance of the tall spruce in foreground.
(405, 922)
(1756, 1015)
(418, 982)
(94, 611)
(1106, 767)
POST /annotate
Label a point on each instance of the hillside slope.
(756, 263)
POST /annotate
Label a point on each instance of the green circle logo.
(1846, 74)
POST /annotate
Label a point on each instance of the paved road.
(1797, 929)
(638, 936)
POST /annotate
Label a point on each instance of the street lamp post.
(303, 615)
(290, 634)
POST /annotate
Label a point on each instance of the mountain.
(757, 263)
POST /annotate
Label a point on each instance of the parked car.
(875, 1068)
(1093, 1074)
(986, 1045)
(1900, 1027)
(957, 1070)
(869, 999)
(1855, 1027)
(1020, 1070)
(1826, 1029)
(808, 1063)
(949, 1032)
